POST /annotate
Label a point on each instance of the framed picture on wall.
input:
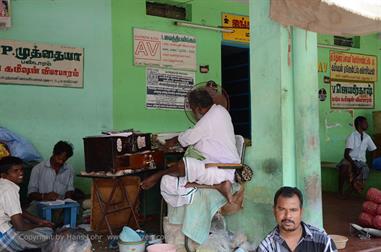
(5, 13)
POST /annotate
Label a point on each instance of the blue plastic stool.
(377, 164)
(70, 212)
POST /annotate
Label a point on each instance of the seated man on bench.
(354, 165)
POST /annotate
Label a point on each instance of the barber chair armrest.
(224, 165)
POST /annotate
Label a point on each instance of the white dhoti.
(173, 188)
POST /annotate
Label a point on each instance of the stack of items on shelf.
(371, 209)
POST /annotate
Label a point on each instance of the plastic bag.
(69, 240)
(219, 240)
(19, 146)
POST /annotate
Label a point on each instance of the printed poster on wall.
(166, 89)
(40, 64)
(5, 13)
(168, 50)
(352, 66)
(240, 25)
(352, 95)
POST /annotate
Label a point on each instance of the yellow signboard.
(239, 24)
(353, 67)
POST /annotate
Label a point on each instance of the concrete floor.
(338, 214)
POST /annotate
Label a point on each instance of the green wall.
(285, 130)
(129, 81)
(336, 125)
(45, 115)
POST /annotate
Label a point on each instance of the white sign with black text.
(166, 89)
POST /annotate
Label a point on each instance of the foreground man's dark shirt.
(313, 240)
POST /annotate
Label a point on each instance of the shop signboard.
(167, 88)
(352, 95)
(169, 50)
(40, 64)
(239, 24)
(353, 66)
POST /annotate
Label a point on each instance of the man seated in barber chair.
(212, 137)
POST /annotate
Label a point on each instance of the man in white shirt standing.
(19, 230)
(354, 165)
(212, 136)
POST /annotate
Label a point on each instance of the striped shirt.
(313, 240)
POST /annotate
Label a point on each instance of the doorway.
(235, 69)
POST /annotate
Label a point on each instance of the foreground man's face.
(288, 213)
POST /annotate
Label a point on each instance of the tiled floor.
(338, 214)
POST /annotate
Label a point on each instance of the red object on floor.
(378, 212)
(370, 207)
(377, 221)
(374, 195)
(366, 219)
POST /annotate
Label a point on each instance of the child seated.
(18, 230)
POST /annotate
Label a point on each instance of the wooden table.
(107, 203)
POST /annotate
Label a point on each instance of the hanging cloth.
(336, 17)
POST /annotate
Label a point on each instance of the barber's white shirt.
(358, 147)
(213, 135)
(9, 203)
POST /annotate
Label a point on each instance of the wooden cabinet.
(111, 153)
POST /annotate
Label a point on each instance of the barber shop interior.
(190, 125)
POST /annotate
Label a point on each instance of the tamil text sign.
(166, 89)
(168, 50)
(352, 95)
(240, 26)
(40, 64)
(354, 67)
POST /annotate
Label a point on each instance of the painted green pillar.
(306, 102)
(285, 124)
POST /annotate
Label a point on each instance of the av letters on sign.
(168, 50)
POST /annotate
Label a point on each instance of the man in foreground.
(291, 234)
(19, 230)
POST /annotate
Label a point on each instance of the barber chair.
(227, 209)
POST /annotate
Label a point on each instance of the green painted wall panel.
(336, 125)
(129, 80)
(306, 129)
(268, 77)
(45, 115)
